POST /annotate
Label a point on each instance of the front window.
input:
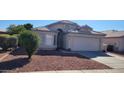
(54, 39)
(49, 40)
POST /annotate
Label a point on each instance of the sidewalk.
(87, 71)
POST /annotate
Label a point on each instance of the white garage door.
(84, 44)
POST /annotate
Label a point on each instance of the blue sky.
(97, 25)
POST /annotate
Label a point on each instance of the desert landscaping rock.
(51, 62)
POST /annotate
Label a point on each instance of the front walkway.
(105, 58)
(116, 55)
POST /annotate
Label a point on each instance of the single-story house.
(114, 40)
(69, 36)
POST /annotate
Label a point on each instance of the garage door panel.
(85, 44)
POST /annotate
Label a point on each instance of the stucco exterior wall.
(94, 45)
(44, 45)
(118, 43)
(74, 36)
(122, 44)
(90, 42)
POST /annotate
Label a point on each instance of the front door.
(110, 48)
(60, 39)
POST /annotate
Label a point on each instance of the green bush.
(8, 41)
(30, 41)
(13, 29)
(13, 42)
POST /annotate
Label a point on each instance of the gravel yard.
(48, 61)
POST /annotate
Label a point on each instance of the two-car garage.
(83, 43)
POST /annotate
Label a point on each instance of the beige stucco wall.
(92, 42)
(123, 43)
(94, 45)
(43, 45)
(118, 43)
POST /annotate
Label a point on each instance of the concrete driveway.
(105, 58)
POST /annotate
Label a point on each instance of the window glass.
(54, 39)
(49, 40)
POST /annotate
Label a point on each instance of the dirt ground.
(47, 61)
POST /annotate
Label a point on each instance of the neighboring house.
(3, 31)
(70, 36)
(115, 39)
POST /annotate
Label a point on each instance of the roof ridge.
(63, 21)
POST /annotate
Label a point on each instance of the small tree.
(13, 29)
(30, 41)
(28, 26)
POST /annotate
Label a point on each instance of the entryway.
(60, 39)
(110, 48)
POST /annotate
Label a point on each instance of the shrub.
(13, 42)
(13, 29)
(8, 41)
(28, 26)
(30, 41)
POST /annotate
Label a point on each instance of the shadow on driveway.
(94, 54)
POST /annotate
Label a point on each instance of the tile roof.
(41, 29)
(86, 26)
(78, 30)
(98, 33)
(63, 22)
(113, 33)
(66, 21)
